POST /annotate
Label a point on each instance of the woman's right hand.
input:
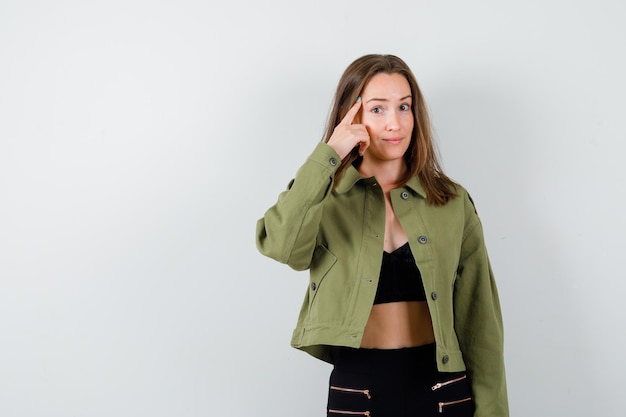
(348, 135)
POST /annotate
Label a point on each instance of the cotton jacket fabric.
(337, 233)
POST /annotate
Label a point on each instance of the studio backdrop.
(141, 140)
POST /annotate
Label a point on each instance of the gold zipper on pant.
(358, 391)
(443, 384)
(441, 404)
(352, 413)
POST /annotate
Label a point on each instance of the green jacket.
(338, 235)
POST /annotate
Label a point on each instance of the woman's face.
(387, 115)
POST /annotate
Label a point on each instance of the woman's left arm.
(478, 321)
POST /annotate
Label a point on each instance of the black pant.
(396, 383)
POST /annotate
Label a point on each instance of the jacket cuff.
(325, 155)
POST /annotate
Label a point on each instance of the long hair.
(421, 157)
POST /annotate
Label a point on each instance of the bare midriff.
(398, 325)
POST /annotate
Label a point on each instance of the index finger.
(349, 117)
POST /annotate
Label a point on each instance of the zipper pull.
(437, 386)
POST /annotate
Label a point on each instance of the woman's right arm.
(288, 231)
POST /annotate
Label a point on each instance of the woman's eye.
(405, 107)
(377, 110)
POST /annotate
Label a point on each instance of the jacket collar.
(351, 176)
(415, 185)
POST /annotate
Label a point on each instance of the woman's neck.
(388, 173)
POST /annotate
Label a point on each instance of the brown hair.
(421, 157)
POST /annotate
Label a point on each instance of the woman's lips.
(393, 141)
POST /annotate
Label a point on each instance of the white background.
(141, 140)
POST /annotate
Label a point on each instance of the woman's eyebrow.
(384, 99)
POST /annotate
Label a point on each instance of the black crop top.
(400, 279)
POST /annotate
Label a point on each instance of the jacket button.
(422, 239)
(445, 359)
(433, 295)
(332, 161)
(313, 286)
(404, 195)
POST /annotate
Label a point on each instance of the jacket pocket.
(323, 261)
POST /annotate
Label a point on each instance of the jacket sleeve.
(288, 231)
(478, 321)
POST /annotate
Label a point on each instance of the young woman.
(401, 298)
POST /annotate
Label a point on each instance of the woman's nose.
(392, 121)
